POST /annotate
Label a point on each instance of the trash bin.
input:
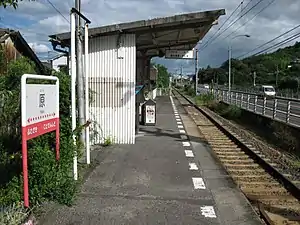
(149, 113)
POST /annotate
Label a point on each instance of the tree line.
(280, 68)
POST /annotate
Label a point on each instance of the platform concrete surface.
(152, 182)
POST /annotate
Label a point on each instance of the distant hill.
(285, 61)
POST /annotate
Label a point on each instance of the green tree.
(286, 60)
(12, 3)
(163, 77)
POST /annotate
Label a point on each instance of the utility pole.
(79, 79)
(229, 68)
(181, 75)
(254, 78)
(196, 71)
(277, 73)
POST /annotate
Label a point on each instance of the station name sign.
(180, 54)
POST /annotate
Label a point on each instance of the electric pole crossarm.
(73, 10)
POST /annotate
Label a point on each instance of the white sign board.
(179, 54)
(150, 114)
(40, 102)
(40, 106)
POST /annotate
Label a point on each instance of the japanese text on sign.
(180, 54)
(42, 100)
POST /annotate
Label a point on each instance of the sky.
(263, 20)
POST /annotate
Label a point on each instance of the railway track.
(274, 197)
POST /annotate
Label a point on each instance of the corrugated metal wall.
(112, 87)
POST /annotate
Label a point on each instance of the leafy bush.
(189, 90)
(13, 215)
(204, 99)
(48, 179)
(231, 112)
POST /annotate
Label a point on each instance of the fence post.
(255, 103)
(236, 97)
(288, 111)
(242, 98)
(264, 106)
(227, 96)
(274, 108)
(248, 101)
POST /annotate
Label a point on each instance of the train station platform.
(167, 177)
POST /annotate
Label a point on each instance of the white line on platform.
(182, 131)
(178, 119)
(186, 144)
(189, 153)
(183, 137)
(198, 183)
(208, 211)
(180, 126)
(193, 166)
(179, 122)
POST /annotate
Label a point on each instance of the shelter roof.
(154, 36)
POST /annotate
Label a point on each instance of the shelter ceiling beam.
(166, 45)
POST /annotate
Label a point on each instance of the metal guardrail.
(281, 109)
(279, 93)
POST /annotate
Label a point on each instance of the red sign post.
(40, 115)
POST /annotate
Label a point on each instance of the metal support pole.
(73, 90)
(87, 129)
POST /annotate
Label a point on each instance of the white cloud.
(277, 18)
(39, 48)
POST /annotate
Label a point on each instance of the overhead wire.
(232, 23)
(57, 10)
(224, 23)
(283, 42)
(262, 45)
(255, 15)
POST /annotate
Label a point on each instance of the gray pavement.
(150, 183)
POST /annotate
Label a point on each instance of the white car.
(267, 91)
